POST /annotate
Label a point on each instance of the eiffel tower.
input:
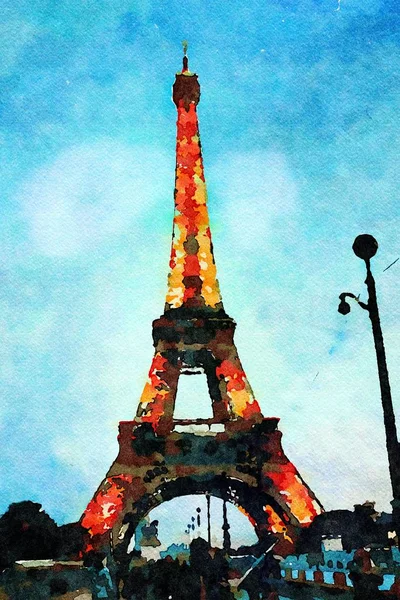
(235, 455)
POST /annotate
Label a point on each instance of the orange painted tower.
(194, 319)
(237, 454)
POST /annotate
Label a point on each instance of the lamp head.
(344, 307)
(365, 246)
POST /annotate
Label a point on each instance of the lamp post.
(208, 498)
(225, 528)
(365, 247)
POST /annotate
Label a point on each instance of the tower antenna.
(185, 58)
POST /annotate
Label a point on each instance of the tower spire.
(192, 280)
(185, 67)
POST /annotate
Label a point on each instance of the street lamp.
(365, 247)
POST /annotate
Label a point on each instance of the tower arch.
(229, 489)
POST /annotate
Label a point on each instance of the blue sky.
(300, 135)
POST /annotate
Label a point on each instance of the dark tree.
(70, 541)
(212, 567)
(162, 580)
(200, 559)
(26, 532)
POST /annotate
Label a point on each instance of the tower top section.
(186, 89)
(192, 280)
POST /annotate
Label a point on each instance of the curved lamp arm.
(344, 307)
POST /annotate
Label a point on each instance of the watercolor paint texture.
(299, 150)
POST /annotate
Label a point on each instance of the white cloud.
(91, 193)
